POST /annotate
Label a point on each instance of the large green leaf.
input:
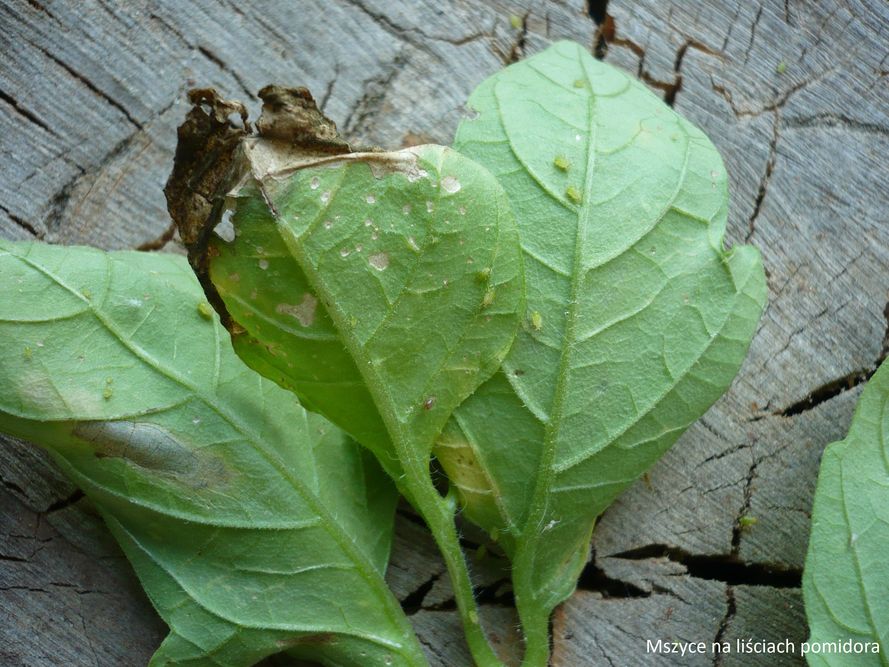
(846, 579)
(637, 318)
(382, 288)
(254, 526)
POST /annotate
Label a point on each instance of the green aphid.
(515, 21)
(28, 353)
(107, 393)
(746, 522)
(574, 195)
(579, 83)
(86, 294)
(488, 299)
(781, 68)
(483, 275)
(561, 163)
(536, 320)
(205, 310)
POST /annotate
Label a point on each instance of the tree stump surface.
(795, 95)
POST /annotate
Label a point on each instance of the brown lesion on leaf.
(209, 161)
(202, 169)
(290, 114)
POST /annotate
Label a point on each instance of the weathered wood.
(794, 93)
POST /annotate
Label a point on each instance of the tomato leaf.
(637, 318)
(845, 587)
(255, 527)
(382, 288)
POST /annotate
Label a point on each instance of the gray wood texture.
(794, 93)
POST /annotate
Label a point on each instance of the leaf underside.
(381, 288)
(637, 319)
(254, 526)
(845, 586)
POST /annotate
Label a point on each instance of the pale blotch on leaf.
(450, 184)
(406, 209)
(314, 183)
(304, 312)
(429, 207)
(380, 261)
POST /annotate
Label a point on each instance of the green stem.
(535, 627)
(439, 516)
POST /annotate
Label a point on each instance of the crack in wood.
(63, 503)
(370, 103)
(730, 610)
(840, 385)
(25, 113)
(726, 568)
(21, 222)
(89, 85)
(766, 177)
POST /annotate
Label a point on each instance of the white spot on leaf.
(450, 184)
(380, 261)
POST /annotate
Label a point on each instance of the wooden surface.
(794, 93)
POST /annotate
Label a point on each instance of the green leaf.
(382, 288)
(845, 581)
(255, 527)
(637, 318)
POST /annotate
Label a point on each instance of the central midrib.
(365, 569)
(530, 534)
